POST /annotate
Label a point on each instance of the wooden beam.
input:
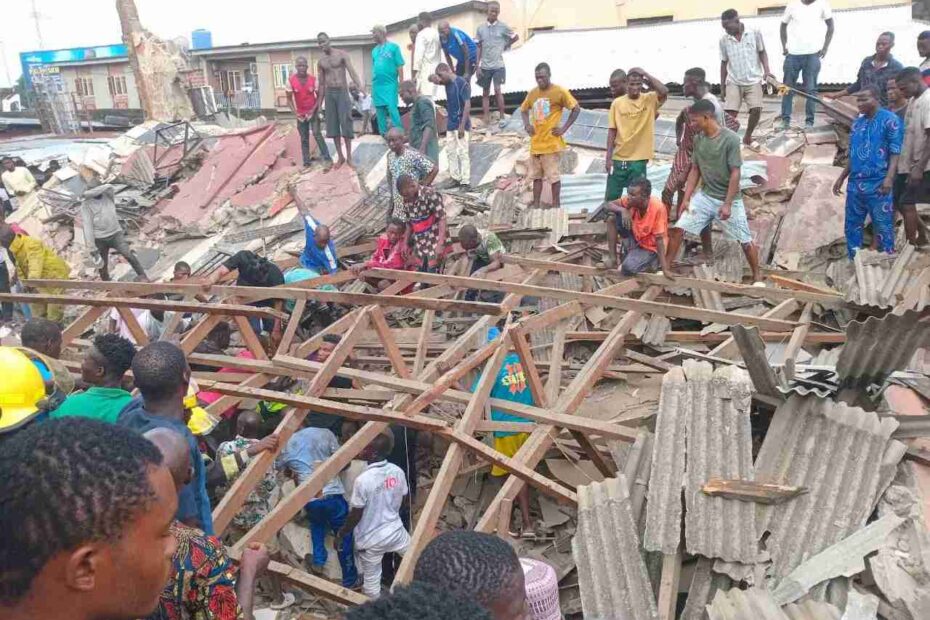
(556, 355)
(450, 376)
(595, 299)
(728, 348)
(698, 337)
(252, 343)
(195, 336)
(322, 405)
(549, 317)
(802, 287)
(255, 293)
(749, 491)
(81, 324)
(292, 324)
(390, 344)
(608, 469)
(797, 341)
(668, 585)
(232, 502)
(426, 330)
(570, 400)
(563, 267)
(530, 372)
(129, 319)
(832, 300)
(548, 487)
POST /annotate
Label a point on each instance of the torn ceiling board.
(611, 572)
(663, 506)
(812, 201)
(843, 559)
(719, 445)
(875, 348)
(836, 452)
(574, 474)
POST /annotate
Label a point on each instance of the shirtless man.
(334, 90)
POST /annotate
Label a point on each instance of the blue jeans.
(329, 513)
(795, 65)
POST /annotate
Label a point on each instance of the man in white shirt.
(806, 31)
(377, 497)
(427, 54)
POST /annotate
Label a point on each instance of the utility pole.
(36, 16)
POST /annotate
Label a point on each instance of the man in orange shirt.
(641, 223)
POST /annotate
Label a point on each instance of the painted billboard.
(30, 61)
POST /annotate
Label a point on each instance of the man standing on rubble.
(17, 180)
(875, 71)
(458, 128)
(304, 103)
(103, 232)
(744, 64)
(426, 56)
(914, 163)
(494, 37)
(334, 91)
(874, 146)
(425, 217)
(36, 261)
(806, 32)
(632, 125)
(387, 71)
(717, 164)
(423, 135)
(546, 103)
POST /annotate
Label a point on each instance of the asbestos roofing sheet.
(612, 575)
(719, 445)
(881, 279)
(835, 452)
(875, 348)
(663, 506)
(758, 604)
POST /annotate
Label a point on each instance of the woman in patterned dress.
(404, 160)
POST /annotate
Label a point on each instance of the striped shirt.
(744, 68)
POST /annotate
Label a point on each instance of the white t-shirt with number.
(806, 25)
(379, 491)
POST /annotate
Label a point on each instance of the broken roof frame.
(425, 381)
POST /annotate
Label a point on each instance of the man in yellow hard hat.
(21, 390)
(36, 261)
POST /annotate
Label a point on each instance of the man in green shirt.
(716, 166)
(423, 136)
(103, 369)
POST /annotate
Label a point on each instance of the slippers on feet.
(288, 600)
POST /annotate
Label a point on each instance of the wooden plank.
(292, 324)
(749, 491)
(802, 287)
(339, 327)
(608, 301)
(426, 331)
(648, 360)
(450, 376)
(504, 517)
(171, 326)
(489, 426)
(129, 319)
(144, 304)
(255, 293)
(252, 343)
(556, 354)
(81, 324)
(668, 585)
(797, 341)
(547, 487)
(543, 320)
(390, 345)
(322, 405)
(232, 502)
(607, 468)
(530, 372)
(812, 295)
(728, 348)
(200, 331)
(697, 337)
(542, 438)
(562, 267)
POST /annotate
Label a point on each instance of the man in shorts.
(494, 37)
(640, 223)
(716, 163)
(913, 181)
(546, 103)
(334, 91)
(744, 64)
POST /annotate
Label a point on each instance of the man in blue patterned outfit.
(874, 146)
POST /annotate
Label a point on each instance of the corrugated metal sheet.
(663, 507)
(758, 604)
(556, 220)
(711, 300)
(876, 348)
(719, 445)
(612, 575)
(585, 58)
(880, 279)
(833, 450)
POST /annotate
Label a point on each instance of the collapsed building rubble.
(650, 394)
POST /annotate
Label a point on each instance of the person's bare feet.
(350, 164)
(610, 262)
(339, 163)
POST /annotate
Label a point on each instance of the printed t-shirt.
(379, 491)
(545, 108)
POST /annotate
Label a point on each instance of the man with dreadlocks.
(477, 567)
(103, 369)
(86, 509)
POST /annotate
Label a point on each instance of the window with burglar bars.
(84, 86)
(282, 74)
(117, 85)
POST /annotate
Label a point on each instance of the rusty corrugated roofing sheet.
(612, 575)
(663, 506)
(876, 348)
(833, 450)
(719, 445)
(758, 604)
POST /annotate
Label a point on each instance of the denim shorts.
(703, 210)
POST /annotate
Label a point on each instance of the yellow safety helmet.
(20, 391)
(200, 422)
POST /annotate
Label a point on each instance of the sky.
(80, 23)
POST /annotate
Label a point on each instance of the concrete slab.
(815, 217)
